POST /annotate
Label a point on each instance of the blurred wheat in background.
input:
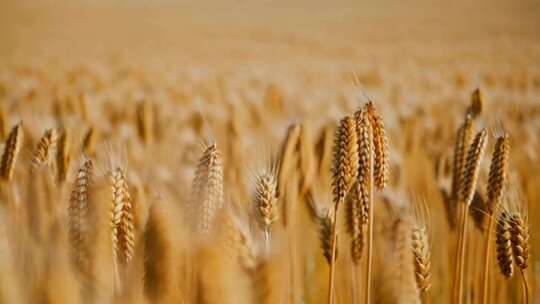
(269, 151)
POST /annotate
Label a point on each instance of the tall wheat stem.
(461, 255)
(487, 258)
(525, 287)
(333, 259)
(369, 259)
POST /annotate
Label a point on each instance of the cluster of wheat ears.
(78, 227)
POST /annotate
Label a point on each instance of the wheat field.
(269, 152)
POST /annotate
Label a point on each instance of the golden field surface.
(197, 152)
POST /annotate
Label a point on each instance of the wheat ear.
(123, 238)
(207, 189)
(44, 149)
(381, 168)
(504, 245)
(265, 202)
(78, 216)
(11, 152)
(477, 101)
(463, 138)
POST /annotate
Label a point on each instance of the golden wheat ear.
(326, 235)
(265, 203)
(472, 167)
(463, 139)
(11, 152)
(78, 222)
(504, 245)
(381, 169)
(345, 160)
(498, 172)
(421, 245)
(207, 190)
(477, 103)
(123, 236)
(45, 149)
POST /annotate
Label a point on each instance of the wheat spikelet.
(504, 244)
(477, 100)
(63, 155)
(45, 148)
(472, 167)
(498, 172)
(207, 189)
(326, 233)
(286, 158)
(77, 215)
(520, 240)
(123, 239)
(345, 159)
(463, 138)
(265, 201)
(11, 152)
(381, 169)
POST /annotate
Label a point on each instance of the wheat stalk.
(11, 152)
